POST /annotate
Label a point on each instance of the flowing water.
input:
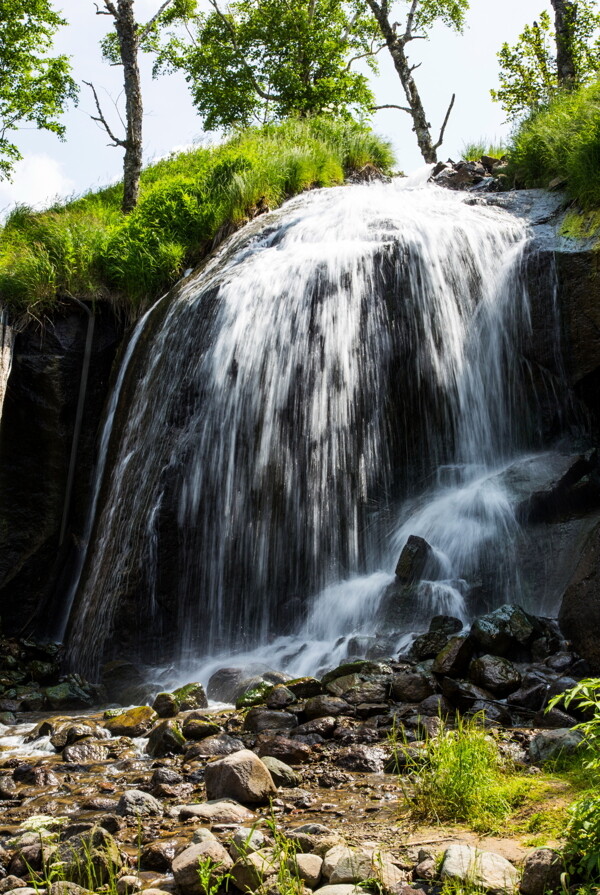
(344, 373)
(6, 353)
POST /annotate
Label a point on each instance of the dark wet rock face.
(35, 446)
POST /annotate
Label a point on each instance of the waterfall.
(288, 410)
(6, 353)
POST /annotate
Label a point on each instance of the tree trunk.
(395, 45)
(565, 12)
(128, 45)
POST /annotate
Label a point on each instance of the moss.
(582, 225)
(254, 696)
(132, 722)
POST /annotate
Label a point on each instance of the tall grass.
(473, 151)
(461, 776)
(562, 141)
(88, 249)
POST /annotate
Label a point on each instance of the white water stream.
(359, 346)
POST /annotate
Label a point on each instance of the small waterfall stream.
(344, 373)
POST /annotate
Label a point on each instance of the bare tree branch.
(391, 106)
(151, 22)
(442, 131)
(262, 93)
(409, 21)
(369, 53)
(102, 120)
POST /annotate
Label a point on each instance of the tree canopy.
(34, 85)
(260, 60)
(529, 74)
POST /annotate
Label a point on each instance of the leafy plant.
(581, 851)
(585, 697)
(210, 879)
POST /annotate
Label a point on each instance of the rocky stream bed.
(297, 787)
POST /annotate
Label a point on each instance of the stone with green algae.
(133, 722)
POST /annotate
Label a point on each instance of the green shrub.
(88, 249)
(562, 141)
(585, 697)
(581, 852)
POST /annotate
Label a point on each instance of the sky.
(462, 64)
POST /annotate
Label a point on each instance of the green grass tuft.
(562, 141)
(86, 248)
(462, 777)
(473, 151)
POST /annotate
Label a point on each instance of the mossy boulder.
(132, 722)
(254, 696)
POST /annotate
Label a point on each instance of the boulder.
(258, 719)
(197, 727)
(504, 631)
(542, 871)
(135, 803)
(251, 872)
(246, 840)
(416, 561)
(186, 867)
(128, 884)
(85, 751)
(282, 774)
(304, 687)
(165, 738)
(579, 614)
(224, 685)
(427, 646)
(447, 624)
(165, 705)
(280, 697)
(551, 744)
(307, 868)
(291, 751)
(219, 811)
(326, 706)
(495, 674)
(482, 870)
(454, 657)
(411, 686)
(241, 776)
(132, 722)
(94, 853)
(367, 759)
(191, 696)
(221, 744)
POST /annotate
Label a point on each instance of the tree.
(122, 47)
(260, 60)
(34, 86)
(418, 18)
(549, 57)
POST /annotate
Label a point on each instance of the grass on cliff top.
(88, 249)
(562, 141)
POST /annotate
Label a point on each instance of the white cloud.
(37, 181)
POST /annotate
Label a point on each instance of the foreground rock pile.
(296, 787)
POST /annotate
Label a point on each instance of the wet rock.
(64, 887)
(132, 722)
(411, 686)
(165, 776)
(552, 744)
(254, 694)
(369, 692)
(325, 706)
(191, 696)
(11, 883)
(258, 720)
(427, 646)
(360, 667)
(85, 752)
(8, 787)
(436, 706)
(415, 561)
(68, 695)
(222, 744)
(368, 759)
(504, 631)
(340, 889)
(495, 674)
(241, 776)
(494, 714)
(291, 751)
(447, 624)
(333, 856)
(185, 866)
(197, 727)
(67, 734)
(463, 694)
(280, 697)
(483, 870)
(219, 811)
(542, 871)
(135, 803)
(426, 869)
(305, 687)
(166, 738)
(165, 705)
(159, 855)
(35, 775)
(323, 727)
(353, 867)
(454, 657)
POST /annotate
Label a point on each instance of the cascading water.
(332, 360)
(6, 352)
